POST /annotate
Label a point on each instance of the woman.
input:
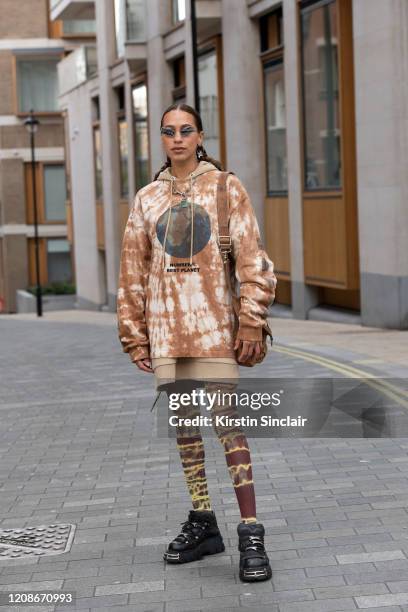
(175, 318)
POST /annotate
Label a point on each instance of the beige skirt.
(170, 369)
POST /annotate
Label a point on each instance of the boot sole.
(210, 546)
(255, 575)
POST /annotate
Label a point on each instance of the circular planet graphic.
(178, 240)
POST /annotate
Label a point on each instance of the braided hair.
(201, 153)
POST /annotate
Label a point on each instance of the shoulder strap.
(224, 239)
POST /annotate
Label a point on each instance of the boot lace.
(189, 530)
(254, 543)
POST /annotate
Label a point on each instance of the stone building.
(31, 47)
(305, 100)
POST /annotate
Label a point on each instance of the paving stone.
(334, 509)
(371, 557)
(394, 576)
(131, 587)
(188, 605)
(328, 605)
(350, 590)
(376, 601)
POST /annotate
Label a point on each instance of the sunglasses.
(184, 132)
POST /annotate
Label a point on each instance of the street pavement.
(79, 446)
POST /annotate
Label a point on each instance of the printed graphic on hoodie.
(180, 236)
(165, 313)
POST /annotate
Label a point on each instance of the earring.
(199, 152)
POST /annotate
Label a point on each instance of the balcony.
(77, 68)
(209, 15)
(130, 24)
(72, 9)
(208, 23)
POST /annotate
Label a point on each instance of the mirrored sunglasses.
(170, 132)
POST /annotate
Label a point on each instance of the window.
(136, 20)
(58, 260)
(130, 23)
(95, 109)
(178, 10)
(120, 27)
(208, 87)
(123, 152)
(179, 78)
(321, 96)
(274, 92)
(123, 141)
(98, 162)
(50, 192)
(54, 192)
(79, 26)
(271, 30)
(272, 55)
(139, 100)
(37, 85)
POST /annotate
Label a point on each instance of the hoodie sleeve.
(253, 269)
(133, 278)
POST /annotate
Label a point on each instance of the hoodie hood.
(203, 166)
(166, 175)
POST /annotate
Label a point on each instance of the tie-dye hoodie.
(173, 299)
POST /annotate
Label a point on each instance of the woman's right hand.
(145, 365)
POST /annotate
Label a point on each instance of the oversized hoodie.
(173, 299)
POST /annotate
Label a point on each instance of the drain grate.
(36, 541)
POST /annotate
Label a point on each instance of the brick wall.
(6, 89)
(24, 19)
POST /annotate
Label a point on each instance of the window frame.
(309, 6)
(214, 43)
(179, 91)
(277, 60)
(40, 187)
(47, 239)
(43, 252)
(121, 118)
(138, 82)
(96, 125)
(267, 25)
(273, 54)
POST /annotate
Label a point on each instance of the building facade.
(305, 100)
(31, 47)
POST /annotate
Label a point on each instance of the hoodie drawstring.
(192, 212)
(165, 238)
(167, 224)
(191, 219)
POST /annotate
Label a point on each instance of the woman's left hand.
(247, 351)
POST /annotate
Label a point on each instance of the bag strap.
(224, 241)
(224, 238)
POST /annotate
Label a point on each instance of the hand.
(249, 351)
(145, 365)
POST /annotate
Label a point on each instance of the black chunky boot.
(199, 536)
(254, 563)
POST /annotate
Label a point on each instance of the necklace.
(182, 193)
(177, 191)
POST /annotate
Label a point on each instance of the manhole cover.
(36, 541)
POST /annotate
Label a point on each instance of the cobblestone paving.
(78, 445)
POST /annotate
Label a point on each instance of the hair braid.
(167, 164)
